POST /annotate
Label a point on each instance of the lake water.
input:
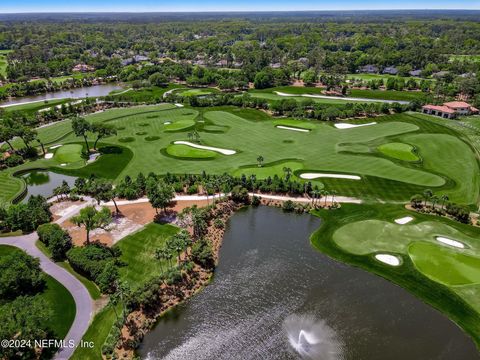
(40, 182)
(270, 279)
(76, 93)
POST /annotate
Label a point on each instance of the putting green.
(269, 169)
(399, 151)
(68, 153)
(180, 125)
(295, 124)
(447, 266)
(188, 152)
(196, 92)
(372, 236)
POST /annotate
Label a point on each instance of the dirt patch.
(61, 208)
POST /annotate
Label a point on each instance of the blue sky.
(8, 6)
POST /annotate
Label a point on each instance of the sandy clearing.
(310, 176)
(48, 155)
(222, 151)
(404, 220)
(350, 126)
(291, 128)
(388, 259)
(450, 242)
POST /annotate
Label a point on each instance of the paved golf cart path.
(83, 301)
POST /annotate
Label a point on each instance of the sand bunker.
(48, 155)
(349, 126)
(450, 242)
(55, 146)
(404, 220)
(310, 176)
(222, 151)
(167, 123)
(179, 105)
(63, 164)
(291, 128)
(388, 259)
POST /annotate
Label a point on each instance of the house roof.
(441, 108)
(457, 104)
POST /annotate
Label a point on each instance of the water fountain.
(312, 339)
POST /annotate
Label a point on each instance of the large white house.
(450, 110)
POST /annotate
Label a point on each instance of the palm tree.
(92, 219)
(444, 198)
(315, 194)
(325, 192)
(288, 172)
(260, 160)
(427, 194)
(434, 199)
(333, 192)
(190, 136)
(253, 180)
(161, 254)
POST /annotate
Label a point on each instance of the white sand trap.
(310, 176)
(63, 164)
(388, 259)
(450, 242)
(48, 155)
(222, 151)
(349, 126)
(55, 146)
(179, 105)
(167, 123)
(291, 128)
(404, 220)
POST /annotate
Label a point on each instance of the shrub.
(202, 254)
(239, 194)
(57, 240)
(20, 274)
(13, 160)
(288, 206)
(27, 217)
(218, 223)
(107, 278)
(256, 200)
(193, 189)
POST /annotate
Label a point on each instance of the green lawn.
(33, 108)
(399, 151)
(4, 62)
(473, 58)
(58, 298)
(138, 252)
(149, 94)
(97, 333)
(252, 133)
(444, 265)
(188, 152)
(196, 92)
(267, 170)
(69, 153)
(354, 233)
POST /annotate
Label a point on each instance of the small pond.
(271, 286)
(42, 182)
(76, 93)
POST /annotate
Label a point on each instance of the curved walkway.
(83, 301)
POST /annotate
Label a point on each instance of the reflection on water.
(77, 93)
(268, 272)
(41, 182)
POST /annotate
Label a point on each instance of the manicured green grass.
(4, 62)
(387, 94)
(97, 333)
(138, 251)
(180, 125)
(150, 94)
(69, 153)
(460, 304)
(399, 151)
(444, 265)
(10, 187)
(196, 92)
(33, 108)
(473, 58)
(188, 152)
(272, 96)
(59, 300)
(383, 77)
(307, 125)
(267, 170)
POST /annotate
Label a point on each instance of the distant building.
(369, 69)
(83, 68)
(450, 110)
(392, 70)
(415, 73)
(221, 63)
(275, 65)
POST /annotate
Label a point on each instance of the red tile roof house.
(450, 110)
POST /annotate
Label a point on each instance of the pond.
(42, 182)
(272, 291)
(76, 93)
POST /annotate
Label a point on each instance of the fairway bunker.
(167, 123)
(350, 126)
(291, 128)
(388, 259)
(450, 242)
(48, 155)
(55, 146)
(221, 151)
(310, 176)
(404, 220)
